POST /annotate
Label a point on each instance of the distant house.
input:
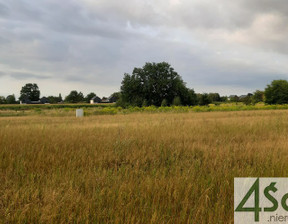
(231, 97)
(95, 99)
(105, 100)
(113, 99)
(242, 97)
(26, 100)
(44, 100)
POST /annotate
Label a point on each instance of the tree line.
(30, 93)
(157, 84)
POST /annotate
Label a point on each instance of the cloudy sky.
(230, 47)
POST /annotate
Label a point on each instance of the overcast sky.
(230, 47)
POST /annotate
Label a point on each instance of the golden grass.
(136, 168)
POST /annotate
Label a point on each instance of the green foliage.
(203, 99)
(234, 98)
(258, 96)
(11, 99)
(223, 98)
(214, 97)
(192, 97)
(114, 97)
(247, 100)
(30, 92)
(74, 97)
(277, 92)
(121, 103)
(2, 100)
(54, 99)
(176, 101)
(145, 103)
(154, 83)
(164, 103)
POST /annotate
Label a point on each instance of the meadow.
(112, 109)
(140, 167)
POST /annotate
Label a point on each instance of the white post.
(79, 113)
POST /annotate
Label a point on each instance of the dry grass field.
(135, 168)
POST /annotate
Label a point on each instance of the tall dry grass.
(136, 168)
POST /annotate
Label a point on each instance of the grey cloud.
(55, 16)
(250, 79)
(21, 10)
(25, 76)
(223, 15)
(4, 11)
(265, 6)
(4, 40)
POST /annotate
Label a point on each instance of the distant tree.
(192, 97)
(214, 97)
(277, 92)
(2, 100)
(154, 82)
(203, 99)
(258, 96)
(224, 99)
(187, 96)
(30, 91)
(53, 99)
(74, 97)
(114, 97)
(234, 98)
(60, 97)
(10, 99)
(89, 97)
(247, 100)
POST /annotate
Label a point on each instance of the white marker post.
(79, 113)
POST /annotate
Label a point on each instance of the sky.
(224, 46)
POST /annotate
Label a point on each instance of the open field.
(112, 109)
(135, 168)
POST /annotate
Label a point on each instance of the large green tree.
(152, 84)
(30, 92)
(277, 92)
(74, 97)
